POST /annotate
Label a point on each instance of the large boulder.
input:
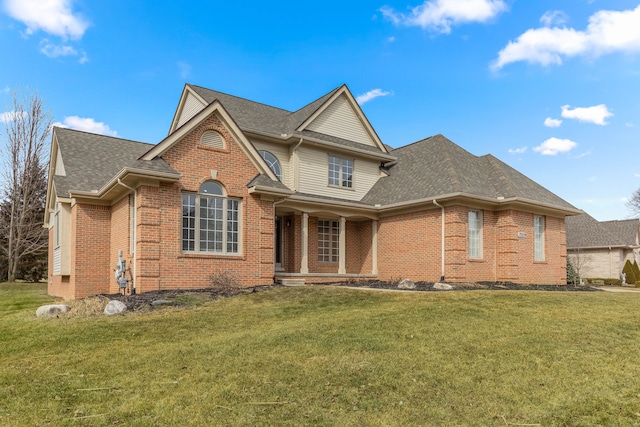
(442, 286)
(115, 307)
(52, 310)
(406, 284)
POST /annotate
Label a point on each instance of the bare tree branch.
(24, 184)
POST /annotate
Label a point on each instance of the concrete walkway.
(618, 289)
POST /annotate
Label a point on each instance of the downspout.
(135, 200)
(435, 202)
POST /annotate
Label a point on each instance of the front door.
(277, 244)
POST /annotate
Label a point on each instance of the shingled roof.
(584, 231)
(435, 167)
(91, 161)
(254, 116)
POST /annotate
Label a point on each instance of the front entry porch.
(323, 247)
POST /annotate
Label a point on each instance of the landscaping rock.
(442, 286)
(52, 310)
(406, 284)
(114, 307)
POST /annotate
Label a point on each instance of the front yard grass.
(328, 356)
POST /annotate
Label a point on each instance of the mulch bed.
(145, 300)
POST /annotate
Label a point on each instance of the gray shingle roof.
(251, 115)
(91, 160)
(265, 181)
(436, 166)
(584, 231)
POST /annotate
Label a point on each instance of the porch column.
(304, 261)
(374, 247)
(342, 248)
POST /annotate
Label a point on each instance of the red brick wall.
(409, 246)
(160, 262)
(90, 247)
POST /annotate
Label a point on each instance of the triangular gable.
(54, 169)
(341, 116)
(214, 108)
(190, 104)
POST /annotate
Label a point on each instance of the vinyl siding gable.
(282, 154)
(191, 107)
(340, 120)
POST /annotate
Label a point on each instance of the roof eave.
(126, 172)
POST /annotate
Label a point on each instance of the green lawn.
(328, 356)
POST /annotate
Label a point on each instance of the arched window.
(212, 138)
(273, 162)
(210, 220)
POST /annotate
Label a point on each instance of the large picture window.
(538, 237)
(475, 234)
(328, 241)
(210, 221)
(340, 172)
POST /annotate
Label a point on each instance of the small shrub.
(223, 281)
(572, 275)
(636, 270)
(629, 272)
(638, 284)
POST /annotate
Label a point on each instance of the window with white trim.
(538, 237)
(475, 234)
(328, 241)
(272, 162)
(210, 221)
(340, 172)
(56, 229)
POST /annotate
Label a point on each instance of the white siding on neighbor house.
(314, 175)
(191, 107)
(341, 121)
(600, 263)
(282, 154)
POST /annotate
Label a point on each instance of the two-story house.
(306, 196)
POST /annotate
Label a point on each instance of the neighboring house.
(306, 196)
(600, 249)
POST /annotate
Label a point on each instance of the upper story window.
(475, 234)
(210, 221)
(273, 162)
(538, 237)
(340, 172)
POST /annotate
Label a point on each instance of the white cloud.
(53, 51)
(86, 125)
(185, 69)
(597, 114)
(372, 94)
(607, 32)
(6, 89)
(552, 123)
(629, 125)
(440, 15)
(553, 146)
(520, 150)
(51, 16)
(553, 17)
(10, 116)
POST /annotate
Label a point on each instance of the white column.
(374, 247)
(304, 261)
(342, 248)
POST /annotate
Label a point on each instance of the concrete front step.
(292, 282)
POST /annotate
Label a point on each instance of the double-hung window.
(340, 172)
(538, 237)
(210, 221)
(328, 241)
(475, 234)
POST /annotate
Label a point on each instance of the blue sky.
(550, 88)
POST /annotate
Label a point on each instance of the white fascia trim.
(163, 176)
(259, 189)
